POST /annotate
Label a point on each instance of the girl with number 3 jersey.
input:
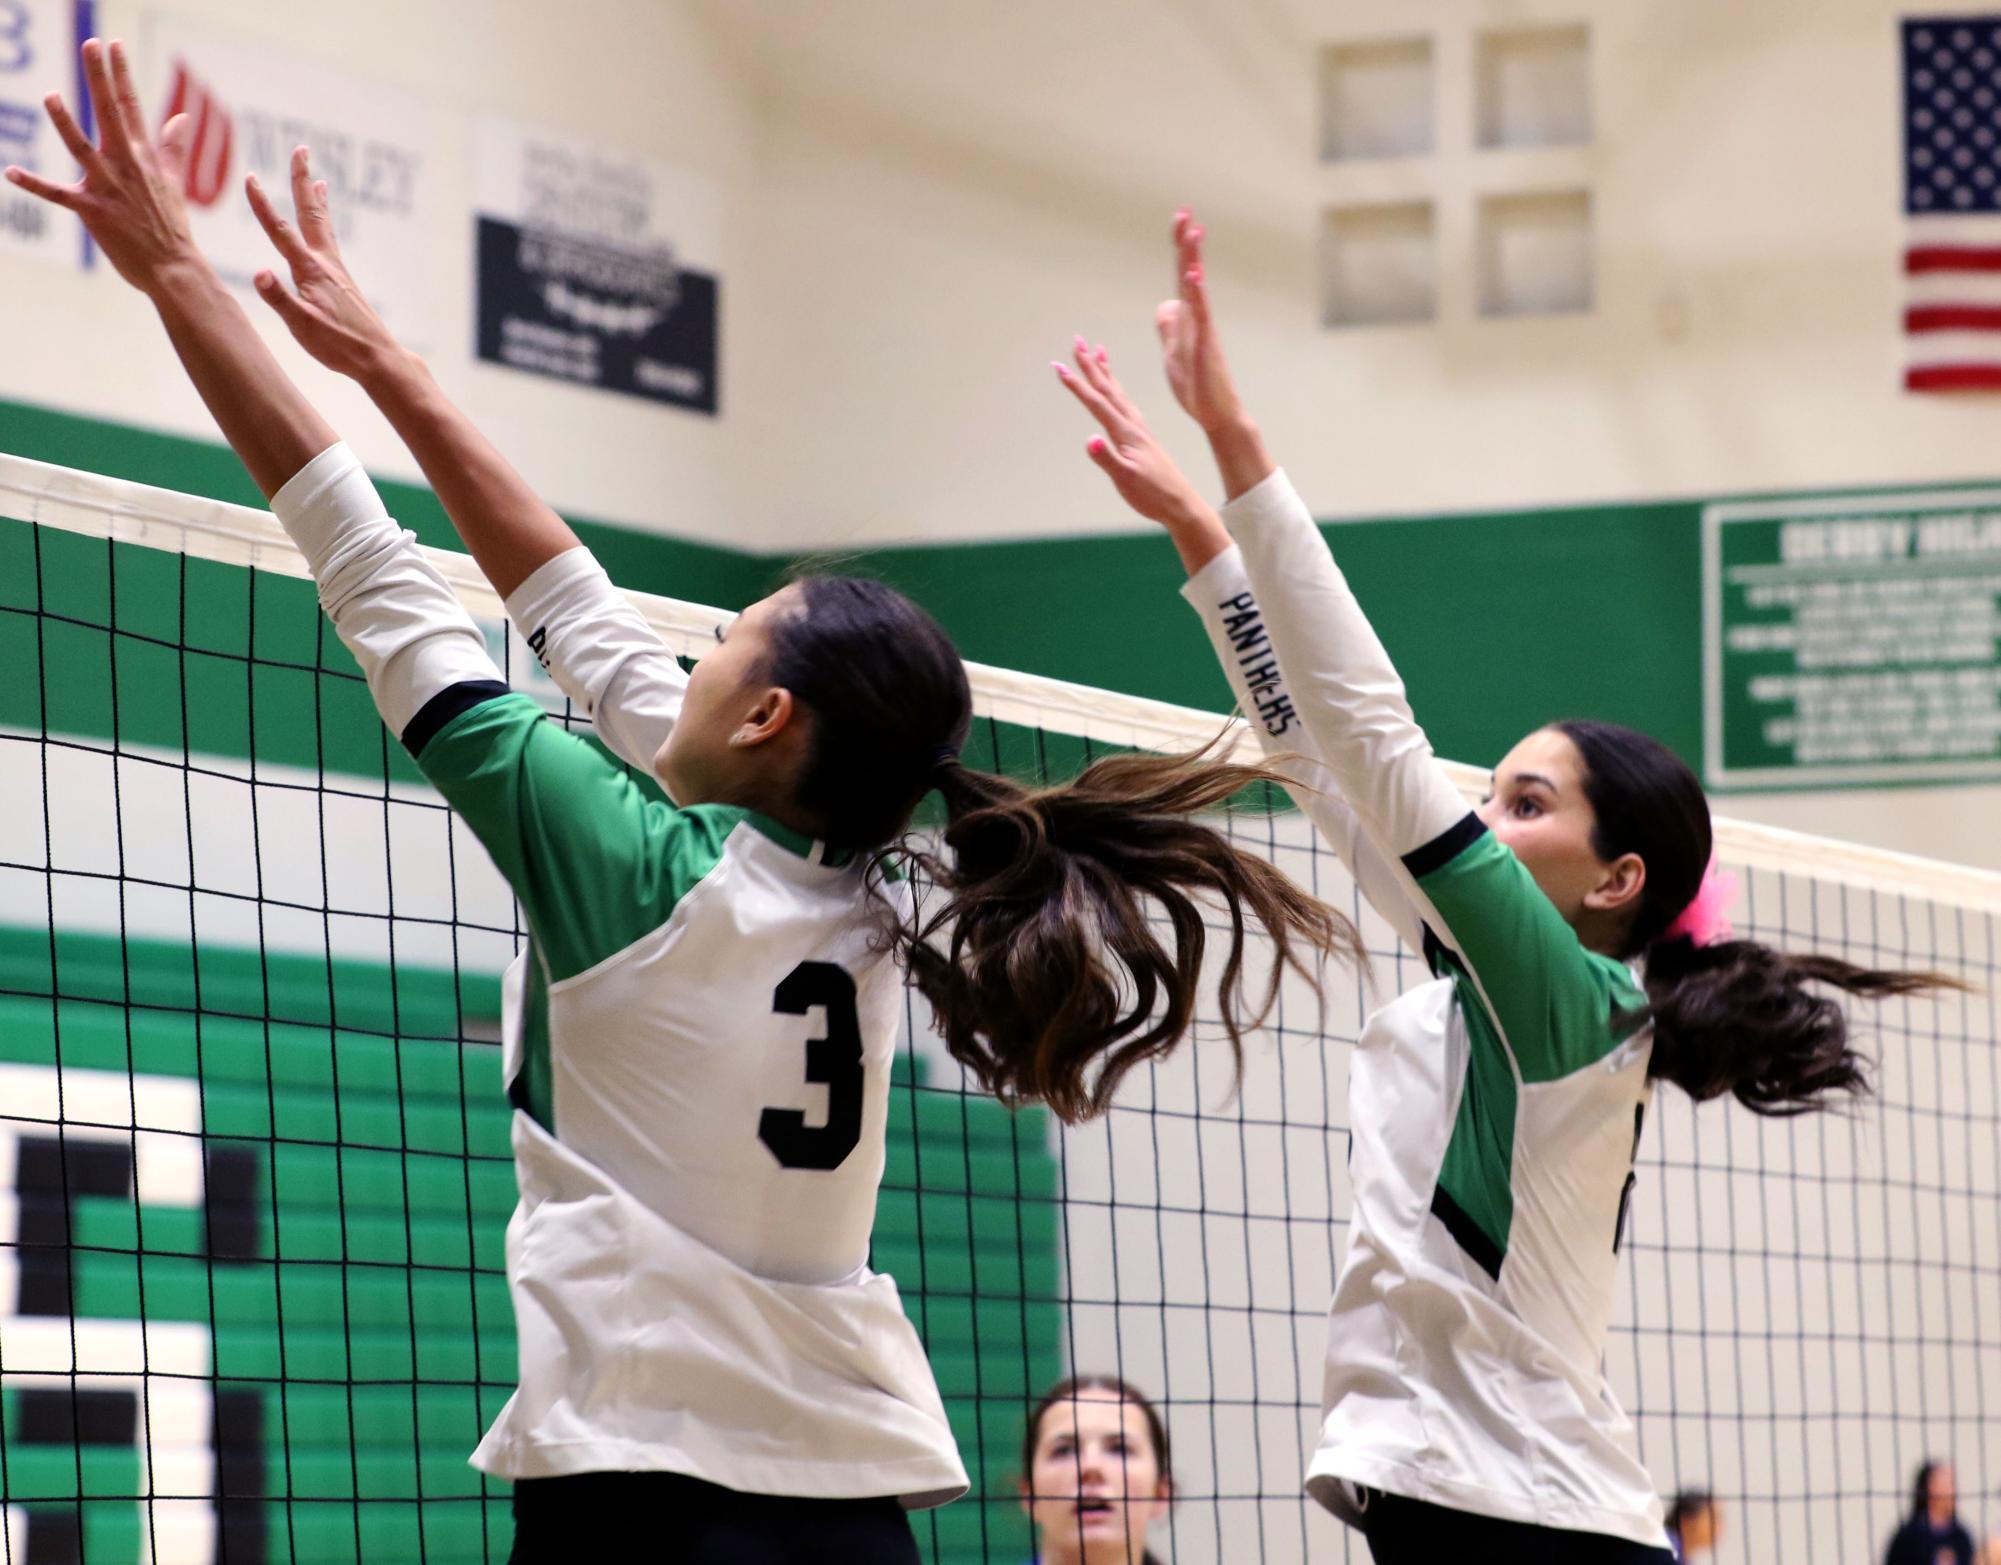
(1497, 1110)
(699, 1036)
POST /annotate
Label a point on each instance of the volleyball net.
(254, 1167)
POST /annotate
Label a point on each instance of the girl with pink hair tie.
(1580, 947)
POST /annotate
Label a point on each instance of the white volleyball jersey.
(698, 1046)
(1496, 1109)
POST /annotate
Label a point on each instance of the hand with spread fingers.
(1145, 476)
(1191, 351)
(129, 197)
(327, 313)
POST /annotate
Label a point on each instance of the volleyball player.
(709, 1370)
(1496, 1110)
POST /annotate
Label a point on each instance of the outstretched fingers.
(1096, 367)
(60, 195)
(1195, 296)
(1190, 278)
(176, 140)
(97, 82)
(287, 239)
(292, 310)
(126, 108)
(88, 158)
(1106, 455)
(309, 201)
(1096, 403)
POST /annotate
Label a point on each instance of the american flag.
(1952, 203)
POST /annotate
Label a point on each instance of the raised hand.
(130, 194)
(1143, 473)
(328, 315)
(1190, 350)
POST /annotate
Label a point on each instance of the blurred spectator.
(1932, 1534)
(1095, 1473)
(1694, 1524)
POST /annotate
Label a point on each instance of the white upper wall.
(946, 200)
(922, 203)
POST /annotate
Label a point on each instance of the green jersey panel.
(1556, 1006)
(594, 863)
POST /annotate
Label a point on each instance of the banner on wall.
(595, 267)
(1853, 640)
(39, 43)
(251, 104)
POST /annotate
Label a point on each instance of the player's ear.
(772, 711)
(1624, 879)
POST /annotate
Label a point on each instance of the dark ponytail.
(1044, 964)
(1734, 1016)
(1042, 961)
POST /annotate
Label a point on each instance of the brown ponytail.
(1734, 1016)
(1739, 1017)
(1043, 962)
(1044, 965)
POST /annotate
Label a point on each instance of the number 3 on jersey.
(833, 1060)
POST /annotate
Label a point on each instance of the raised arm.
(130, 199)
(1342, 684)
(1473, 906)
(592, 862)
(1485, 918)
(1219, 590)
(407, 629)
(592, 641)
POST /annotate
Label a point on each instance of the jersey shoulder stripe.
(1445, 847)
(446, 705)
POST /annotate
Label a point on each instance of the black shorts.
(670, 1519)
(1410, 1532)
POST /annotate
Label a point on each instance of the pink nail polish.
(1097, 444)
(1062, 369)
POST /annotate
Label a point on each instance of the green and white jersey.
(698, 1046)
(1496, 1109)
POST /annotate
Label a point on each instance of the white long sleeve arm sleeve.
(1342, 683)
(396, 614)
(602, 654)
(1221, 594)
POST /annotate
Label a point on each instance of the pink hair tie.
(1706, 920)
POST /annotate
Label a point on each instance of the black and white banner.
(591, 267)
